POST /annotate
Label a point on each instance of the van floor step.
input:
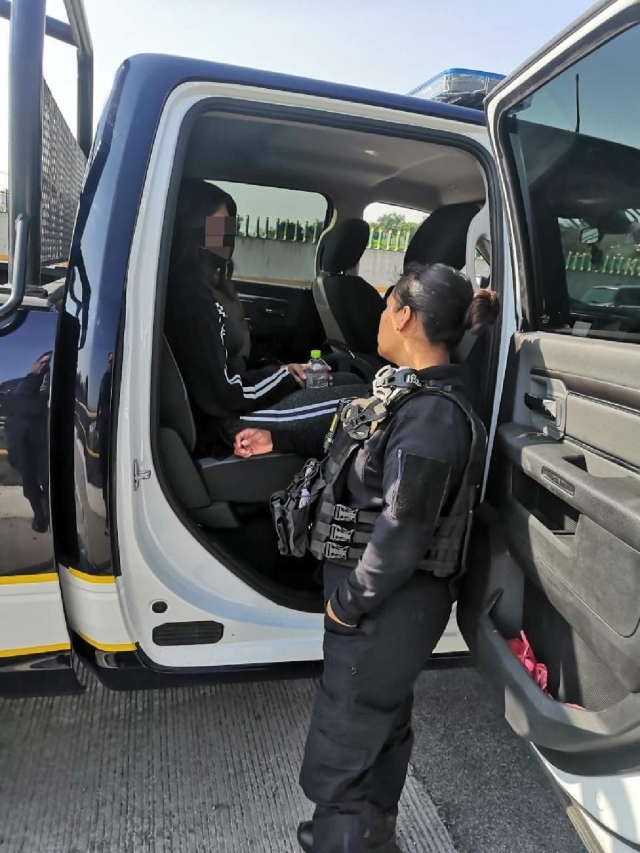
(204, 768)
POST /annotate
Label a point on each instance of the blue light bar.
(462, 86)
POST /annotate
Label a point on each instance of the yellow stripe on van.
(91, 578)
(45, 577)
(107, 647)
(34, 650)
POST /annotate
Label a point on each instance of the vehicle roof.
(183, 69)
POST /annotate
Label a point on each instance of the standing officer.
(389, 510)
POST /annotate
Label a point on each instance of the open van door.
(46, 168)
(556, 551)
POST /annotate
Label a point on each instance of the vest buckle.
(345, 513)
(340, 534)
(336, 552)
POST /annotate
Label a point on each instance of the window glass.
(392, 227)
(278, 230)
(575, 144)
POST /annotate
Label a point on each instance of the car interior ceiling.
(226, 499)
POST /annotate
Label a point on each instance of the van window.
(278, 230)
(392, 228)
(575, 144)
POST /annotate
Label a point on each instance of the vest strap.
(341, 535)
(339, 512)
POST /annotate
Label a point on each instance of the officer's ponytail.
(445, 301)
(483, 311)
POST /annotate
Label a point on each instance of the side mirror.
(590, 236)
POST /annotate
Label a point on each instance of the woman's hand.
(252, 442)
(333, 616)
(299, 373)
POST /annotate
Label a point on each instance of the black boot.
(40, 523)
(305, 836)
(380, 838)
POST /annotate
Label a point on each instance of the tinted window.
(576, 148)
(277, 232)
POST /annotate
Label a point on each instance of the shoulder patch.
(421, 488)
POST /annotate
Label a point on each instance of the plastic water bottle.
(318, 371)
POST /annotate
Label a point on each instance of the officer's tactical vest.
(309, 515)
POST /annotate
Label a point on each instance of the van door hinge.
(139, 474)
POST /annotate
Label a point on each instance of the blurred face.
(219, 232)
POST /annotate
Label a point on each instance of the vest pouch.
(293, 510)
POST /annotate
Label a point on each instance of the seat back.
(349, 306)
(442, 237)
(177, 438)
(175, 408)
(211, 490)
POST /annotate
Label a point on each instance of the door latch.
(139, 474)
(546, 408)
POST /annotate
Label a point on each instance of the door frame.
(199, 97)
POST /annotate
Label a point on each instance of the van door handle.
(546, 408)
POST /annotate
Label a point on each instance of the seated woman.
(207, 331)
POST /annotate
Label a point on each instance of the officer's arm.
(418, 464)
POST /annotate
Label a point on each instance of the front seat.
(211, 490)
(349, 306)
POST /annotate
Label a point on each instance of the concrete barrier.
(381, 268)
(274, 260)
(294, 263)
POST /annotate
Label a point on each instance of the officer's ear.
(402, 318)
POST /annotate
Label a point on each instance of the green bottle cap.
(316, 353)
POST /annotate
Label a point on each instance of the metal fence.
(295, 231)
(612, 264)
(63, 167)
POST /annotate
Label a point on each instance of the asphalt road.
(213, 769)
(488, 788)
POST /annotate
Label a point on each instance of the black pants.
(360, 736)
(307, 408)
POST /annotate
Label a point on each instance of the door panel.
(562, 526)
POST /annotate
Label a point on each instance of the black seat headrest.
(442, 237)
(344, 246)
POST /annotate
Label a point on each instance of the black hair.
(444, 300)
(198, 199)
